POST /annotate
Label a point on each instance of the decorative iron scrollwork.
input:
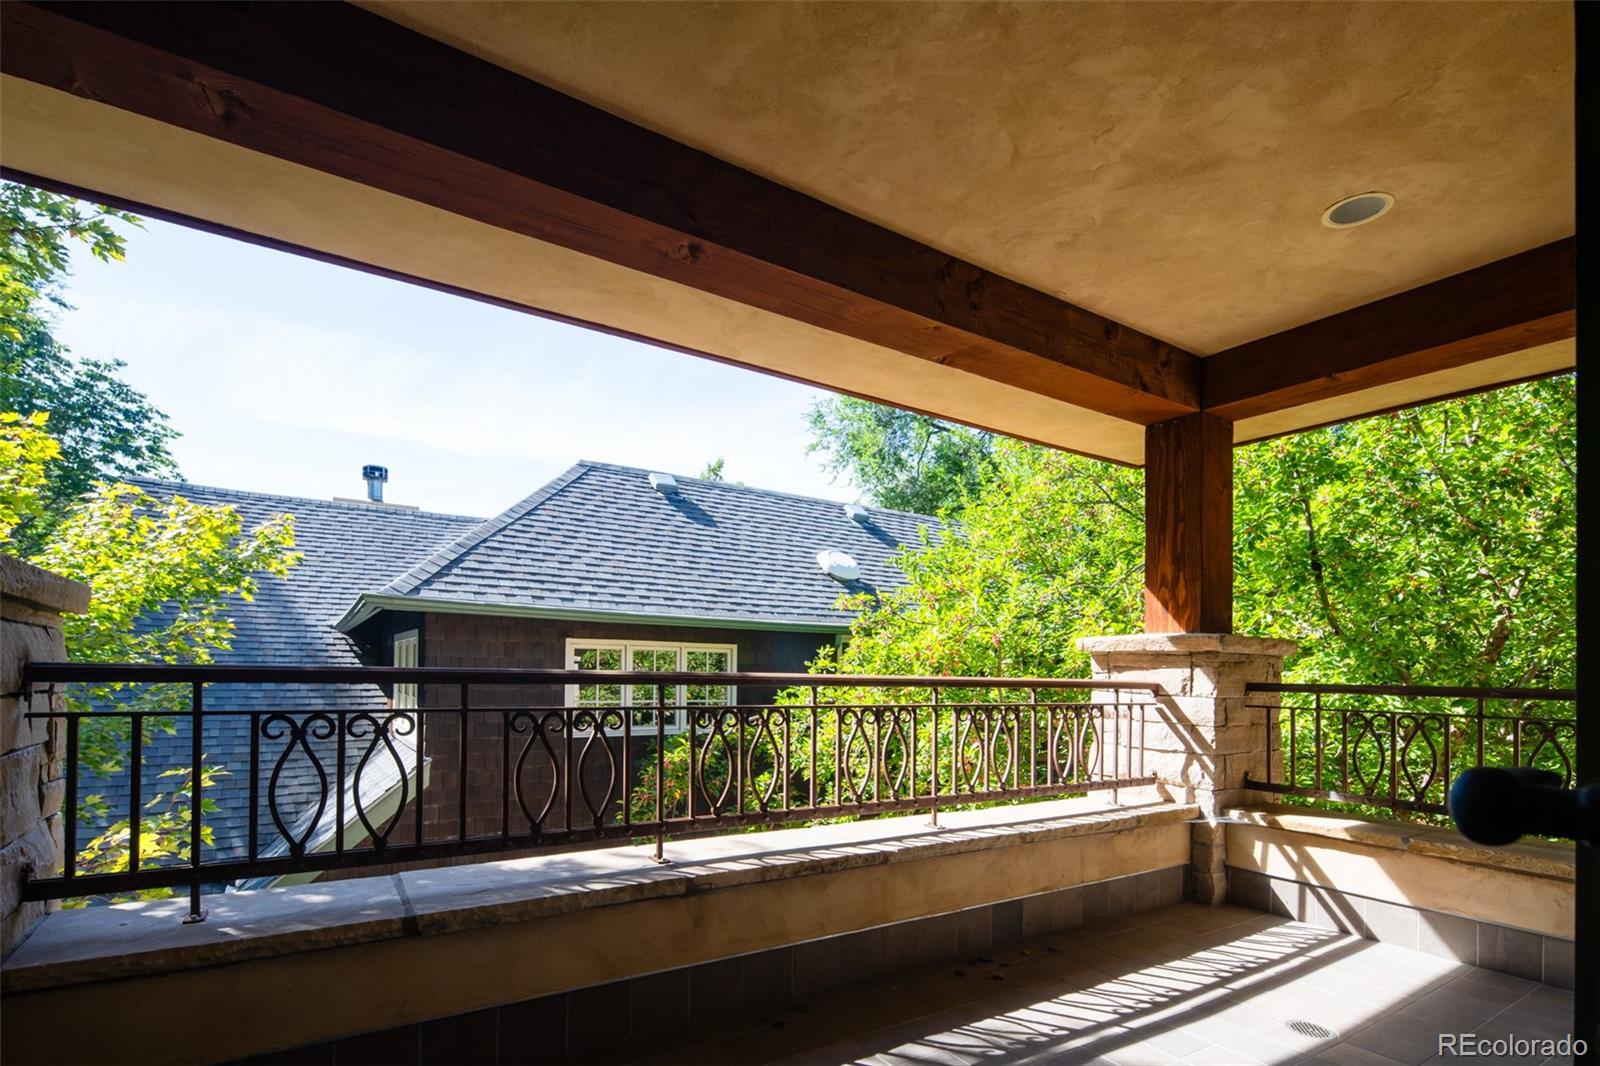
(1418, 746)
(855, 750)
(299, 733)
(596, 746)
(897, 751)
(714, 726)
(1544, 736)
(537, 727)
(759, 725)
(369, 727)
(1369, 738)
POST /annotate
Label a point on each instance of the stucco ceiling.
(1162, 164)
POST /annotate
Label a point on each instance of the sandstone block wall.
(32, 751)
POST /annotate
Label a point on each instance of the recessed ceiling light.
(1357, 210)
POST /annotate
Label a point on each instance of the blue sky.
(287, 375)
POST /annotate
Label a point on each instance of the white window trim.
(676, 720)
(404, 696)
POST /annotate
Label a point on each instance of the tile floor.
(1182, 984)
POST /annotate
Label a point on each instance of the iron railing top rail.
(1404, 756)
(1418, 691)
(156, 673)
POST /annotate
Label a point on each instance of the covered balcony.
(824, 867)
(1127, 231)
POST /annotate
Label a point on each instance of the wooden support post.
(1188, 546)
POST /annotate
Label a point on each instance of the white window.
(651, 655)
(405, 654)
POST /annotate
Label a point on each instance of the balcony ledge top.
(41, 589)
(131, 939)
(1555, 862)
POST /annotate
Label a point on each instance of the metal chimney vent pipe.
(376, 476)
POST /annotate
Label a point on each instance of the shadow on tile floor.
(1183, 984)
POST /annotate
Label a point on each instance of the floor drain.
(1312, 1030)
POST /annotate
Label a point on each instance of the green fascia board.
(368, 605)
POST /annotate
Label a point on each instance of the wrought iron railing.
(1399, 747)
(494, 761)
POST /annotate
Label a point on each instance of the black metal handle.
(1497, 806)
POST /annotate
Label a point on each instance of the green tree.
(26, 451)
(1050, 547)
(713, 470)
(161, 571)
(36, 228)
(161, 574)
(1431, 546)
(106, 429)
(1434, 545)
(902, 460)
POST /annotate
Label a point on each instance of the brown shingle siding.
(527, 643)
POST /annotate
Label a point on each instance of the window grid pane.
(598, 658)
(708, 661)
(639, 701)
(643, 700)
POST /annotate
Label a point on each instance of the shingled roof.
(597, 542)
(347, 548)
(601, 542)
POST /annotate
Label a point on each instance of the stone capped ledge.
(1556, 862)
(1187, 644)
(128, 940)
(28, 585)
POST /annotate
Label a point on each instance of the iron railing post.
(197, 756)
(135, 790)
(1317, 731)
(461, 785)
(338, 784)
(422, 751)
(505, 774)
(1033, 738)
(255, 788)
(933, 705)
(661, 770)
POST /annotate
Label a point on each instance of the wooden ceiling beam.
(349, 93)
(1507, 306)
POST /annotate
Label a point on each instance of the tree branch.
(1316, 568)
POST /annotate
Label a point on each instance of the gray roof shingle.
(599, 539)
(348, 548)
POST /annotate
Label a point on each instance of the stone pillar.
(1201, 737)
(32, 752)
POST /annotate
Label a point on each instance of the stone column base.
(1201, 735)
